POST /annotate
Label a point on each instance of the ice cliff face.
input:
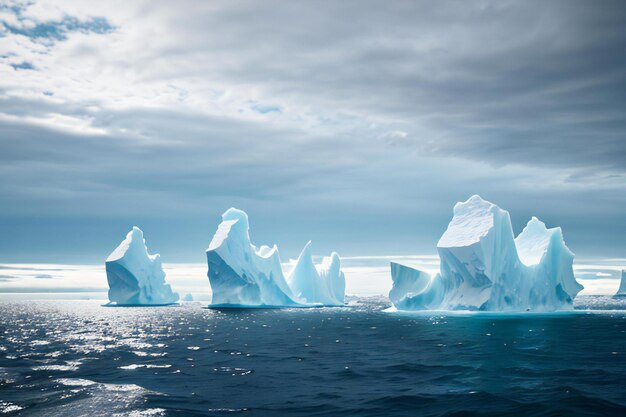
(242, 275)
(414, 289)
(136, 277)
(622, 286)
(484, 268)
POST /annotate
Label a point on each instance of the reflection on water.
(79, 359)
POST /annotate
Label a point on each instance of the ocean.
(78, 358)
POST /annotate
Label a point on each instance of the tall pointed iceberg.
(322, 284)
(135, 277)
(484, 268)
(621, 292)
(242, 275)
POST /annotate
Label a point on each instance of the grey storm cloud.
(506, 82)
(353, 123)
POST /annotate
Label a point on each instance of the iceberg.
(135, 277)
(414, 289)
(483, 267)
(242, 275)
(323, 284)
(621, 292)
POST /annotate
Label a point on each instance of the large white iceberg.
(484, 268)
(242, 275)
(135, 277)
(622, 286)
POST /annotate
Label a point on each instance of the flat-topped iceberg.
(242, 275)
(484, 268)
(622, 286)
(135, 277)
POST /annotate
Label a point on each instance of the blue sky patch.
(23, 66)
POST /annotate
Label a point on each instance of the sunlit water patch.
(80, 359)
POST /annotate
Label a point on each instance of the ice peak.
(236, 215)
(476, 199)
(534, 227)
(622, 285)
(472, 220)
(332, 260)
(134, 241)
(234, 222)
(331, 263)
(306, 251)
(474, 203)
(534, 241)
(267, 251)
(305, 262)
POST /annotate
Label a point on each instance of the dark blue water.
(80, 359)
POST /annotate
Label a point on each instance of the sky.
(355, 124)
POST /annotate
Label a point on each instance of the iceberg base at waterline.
(135, 277)
(115, 304)
(484, 268)
(244, 276)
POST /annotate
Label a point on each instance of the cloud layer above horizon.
(351, 123)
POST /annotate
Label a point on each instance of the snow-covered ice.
(622, 286)
(135, 277)
(242, 275)
(484, 268)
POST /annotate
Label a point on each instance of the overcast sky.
(355, 124)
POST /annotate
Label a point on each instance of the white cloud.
(439, 79)
(71, 124)
(384, 118)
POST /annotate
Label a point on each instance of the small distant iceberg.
(621, 292)
(484, 268)
(135, 277)
(242, 275)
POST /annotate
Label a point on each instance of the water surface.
(76, 358)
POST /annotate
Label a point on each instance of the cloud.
(17, 21)
(345, 120)
(7, 278)
(501, 82)
(23, 66)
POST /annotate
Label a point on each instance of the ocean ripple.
(80, 359)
